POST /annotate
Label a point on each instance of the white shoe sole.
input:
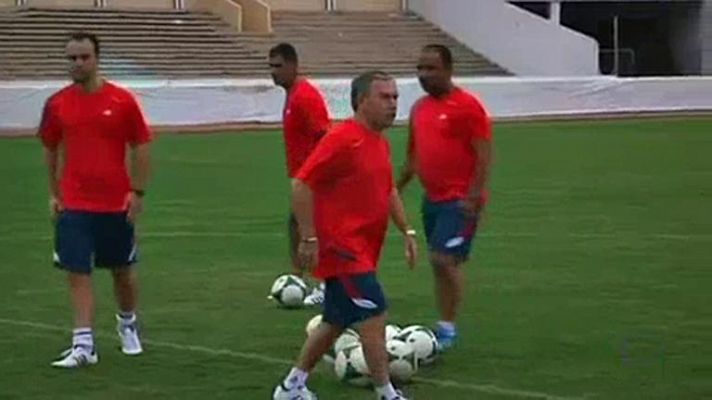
(90, 362)
(134, 352)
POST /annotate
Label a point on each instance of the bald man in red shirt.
(449, 149)
(343, 197)
(89, 125)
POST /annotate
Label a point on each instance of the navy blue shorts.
(87, 239)
(447, 229)
(350, 299)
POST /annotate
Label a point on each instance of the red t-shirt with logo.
(93, 130)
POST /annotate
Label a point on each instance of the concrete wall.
(297, 5)
(686, 40)
(368, 5)
(141, 4)
(229, 11)
(706, 42)
(521, 42)
(60, 3)
(255, 16)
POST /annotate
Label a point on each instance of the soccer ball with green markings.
(289, 291)
(350, 366)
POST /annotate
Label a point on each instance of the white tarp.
(205, 102)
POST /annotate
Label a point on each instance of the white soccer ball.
(313, 324)
(289, 291)
(423, 341)
(392, 331)
(350, 366)
(402, 362)
(347, 338)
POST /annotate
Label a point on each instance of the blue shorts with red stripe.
(447, 229)
(350, 299)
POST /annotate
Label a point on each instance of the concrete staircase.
(181, 44)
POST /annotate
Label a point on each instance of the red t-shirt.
(306, 120)
(93, 130)
(351, 177)
(442, 135)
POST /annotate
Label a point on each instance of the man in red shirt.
(93, 200)
(449, 149)
(342, 199)
(305, 120)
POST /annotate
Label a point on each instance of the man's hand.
(134, 207)
(55, 207)
(411, 248)
(308, 253)
(472, 205)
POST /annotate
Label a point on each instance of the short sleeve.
(139, 132)
(314, 111)
(50, 130)
(329, 160)
(479, 123)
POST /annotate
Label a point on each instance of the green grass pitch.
(592, 274)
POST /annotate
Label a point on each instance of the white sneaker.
(316, 297)
(399, 396)
(130, 342)
(298, 393)
(76, 357)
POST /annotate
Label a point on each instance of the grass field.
(592, 276)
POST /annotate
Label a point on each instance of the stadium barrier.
(195, 103)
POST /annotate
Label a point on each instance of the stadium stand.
(171, 43)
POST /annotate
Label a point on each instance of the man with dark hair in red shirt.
(343, 197)
(449, 149)
(88, 126)
(305, 120)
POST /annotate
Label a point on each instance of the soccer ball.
(348, 337)
(313, 324)
(350, 366)
(423, 341)
(392, 331)
(289, 291)
(402, 362)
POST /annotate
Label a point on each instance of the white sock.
(127, 317)
(296, 378)
(387, 392)
(83, 337)
(447, 325)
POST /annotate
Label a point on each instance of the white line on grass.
(543, 235)
(472, 387)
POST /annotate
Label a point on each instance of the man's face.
(83, 62)
(433, 75)
(380, 105)
(283, 72)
